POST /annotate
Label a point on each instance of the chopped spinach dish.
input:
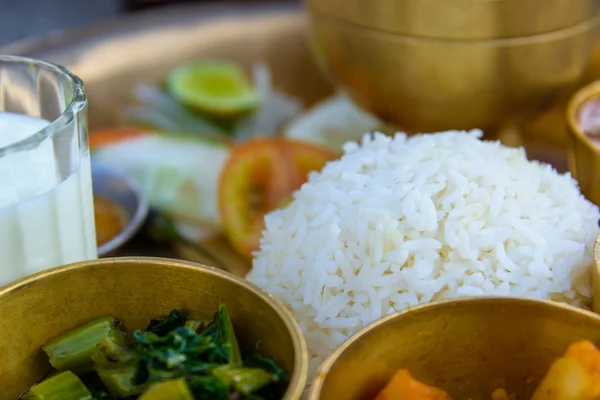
(175, 358)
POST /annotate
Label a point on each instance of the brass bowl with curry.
(467, 349)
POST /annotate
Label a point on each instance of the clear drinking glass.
(46, 199)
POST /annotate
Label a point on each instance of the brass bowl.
(468, 347)
(426, 85)
(42, 306)
(596, 276)
(460, 19)
(583, 153)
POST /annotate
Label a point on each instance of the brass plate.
(114, 56)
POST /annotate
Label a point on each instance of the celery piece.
(64, 386)
(110, 354)
(72, 350)
(175, 389)
(244, 380)
(120, 382)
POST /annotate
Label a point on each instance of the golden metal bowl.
(468, 347)
(460, 19)
(583, 153)
(596, 276)
(426, 85)
(42, 306)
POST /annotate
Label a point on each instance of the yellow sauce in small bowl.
(110, 219)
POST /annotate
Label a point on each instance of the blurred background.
(17, 21)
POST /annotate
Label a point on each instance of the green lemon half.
(218, 88)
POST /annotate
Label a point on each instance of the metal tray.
(114, 56)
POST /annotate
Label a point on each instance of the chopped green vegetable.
(120, 381)
(244, 380)
(176, 357)
(226, 336)
(196, 326)
(64, 386)
(269, 365)
(72, 350)
(208, 387)
(99, 394)
(162, 326)
(110, 354)
(175, 389)
(178, 354)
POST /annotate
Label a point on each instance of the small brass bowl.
(135, 289)
(583, 153)
(460, 19)
(468, 347)
(428, 85)
(596, 276)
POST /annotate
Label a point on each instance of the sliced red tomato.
(102, 137)
(260, 176)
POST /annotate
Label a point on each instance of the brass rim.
(375, 34)
(300, 372)
(321, 375)
(596, 272)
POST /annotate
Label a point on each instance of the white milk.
(44, 222)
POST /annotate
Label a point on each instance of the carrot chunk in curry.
(404, 386)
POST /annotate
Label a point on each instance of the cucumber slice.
(332, 122)
(178, 173)
(217, 88)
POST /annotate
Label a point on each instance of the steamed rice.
(401, 221)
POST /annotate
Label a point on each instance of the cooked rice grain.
(401, 221)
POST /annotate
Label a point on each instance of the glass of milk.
(46, 201)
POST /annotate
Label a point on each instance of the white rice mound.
(401, 221)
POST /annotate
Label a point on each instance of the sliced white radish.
(332, 122)
(178, 173)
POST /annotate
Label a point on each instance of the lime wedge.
(218, 88)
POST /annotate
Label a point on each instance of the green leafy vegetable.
(208, 387)
(176, 357)
(100, 394)
(226, 336)
(180, 353)
(268, 364)
(162, 326)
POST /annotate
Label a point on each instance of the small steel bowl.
(37, 308)
(118, 187)
(583, 153)
(468, 347)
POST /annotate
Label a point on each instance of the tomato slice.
(102, 137)
(260, 176)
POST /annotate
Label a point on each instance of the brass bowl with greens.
(146, 328)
